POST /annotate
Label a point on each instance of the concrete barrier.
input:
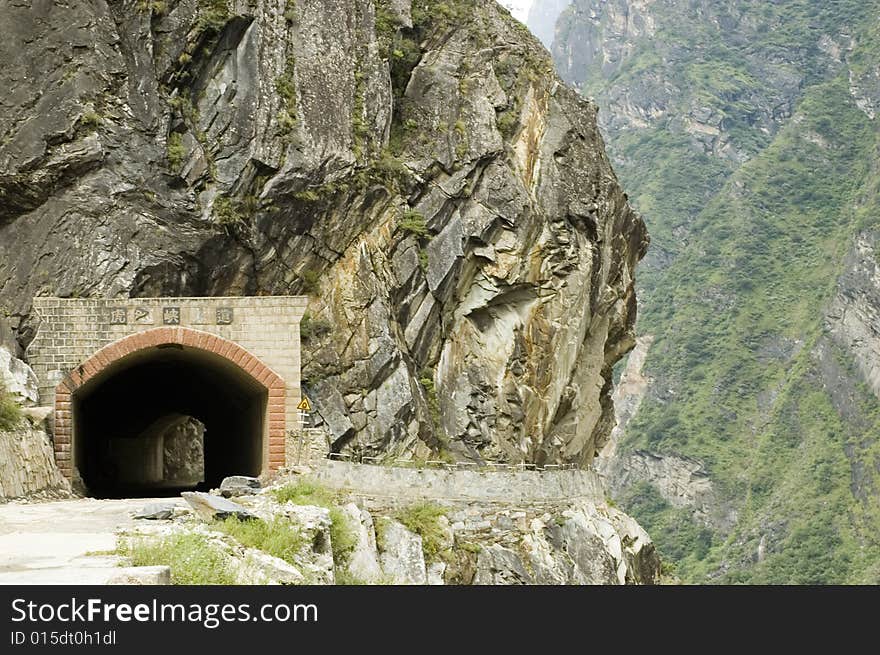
(484, 486)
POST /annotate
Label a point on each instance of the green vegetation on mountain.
(754, 175)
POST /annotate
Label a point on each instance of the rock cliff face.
(415, 167)
(854, 316)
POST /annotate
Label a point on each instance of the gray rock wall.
(423, 175)
(854, 316)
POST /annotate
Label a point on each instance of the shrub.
(313, 328)
(213, 15)
(342, 537)
(424, 520)
(10, 411)
(311, 281)
(175, 150)
(90, 120)
(427, 382)
(414, 223)
(304, 492)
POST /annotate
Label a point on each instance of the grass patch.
(191, 559)
(342, 537)
(424, 520)
(304, 492)
(413, 222)
(279, 537)
(90, 120)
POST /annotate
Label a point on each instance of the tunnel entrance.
(166, 419)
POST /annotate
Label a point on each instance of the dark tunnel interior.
(117, 451)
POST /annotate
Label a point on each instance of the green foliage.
(183, 105)
(440, 15)
(192, 560)
(343, 538)
(311, 282)
(157, 7)
(10, 411)
(508, 122)
(285, 85)
(278, 537)
(290, 11)
(313, 328)
(413, 222)
(674, 529)
(304, 492)
(427, 382)
(212, 15)
(228, 211)
(424, 520)
(360, 129)
(743, 264)
(175, 151)
(90, 120)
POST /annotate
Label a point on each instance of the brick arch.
(189, 338)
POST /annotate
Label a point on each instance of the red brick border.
(274, 384)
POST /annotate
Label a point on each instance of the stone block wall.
(77, 337)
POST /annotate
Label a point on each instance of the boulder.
(402, 557)
(363, 564)
(239, 485)
(18, 378)
(156, 512)
(497, 565)
(436, 571)
(211, 507)
(257, 567)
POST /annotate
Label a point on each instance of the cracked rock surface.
(423, 175)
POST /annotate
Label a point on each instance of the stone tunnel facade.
(80, 342)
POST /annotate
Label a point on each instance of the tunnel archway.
(163, 394)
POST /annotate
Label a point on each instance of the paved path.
(47, 543)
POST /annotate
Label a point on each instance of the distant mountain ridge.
(746, 132)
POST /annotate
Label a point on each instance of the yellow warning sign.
(304, 405)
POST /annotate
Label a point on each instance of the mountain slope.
(747, 135)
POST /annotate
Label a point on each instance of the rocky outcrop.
(444, 200)
(183, 449)
(398, 541)
(683, 482)
(585, 544)
(17, 378)
(854, 316)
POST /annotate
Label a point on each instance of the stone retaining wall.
(27, 466)
(405, 485)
